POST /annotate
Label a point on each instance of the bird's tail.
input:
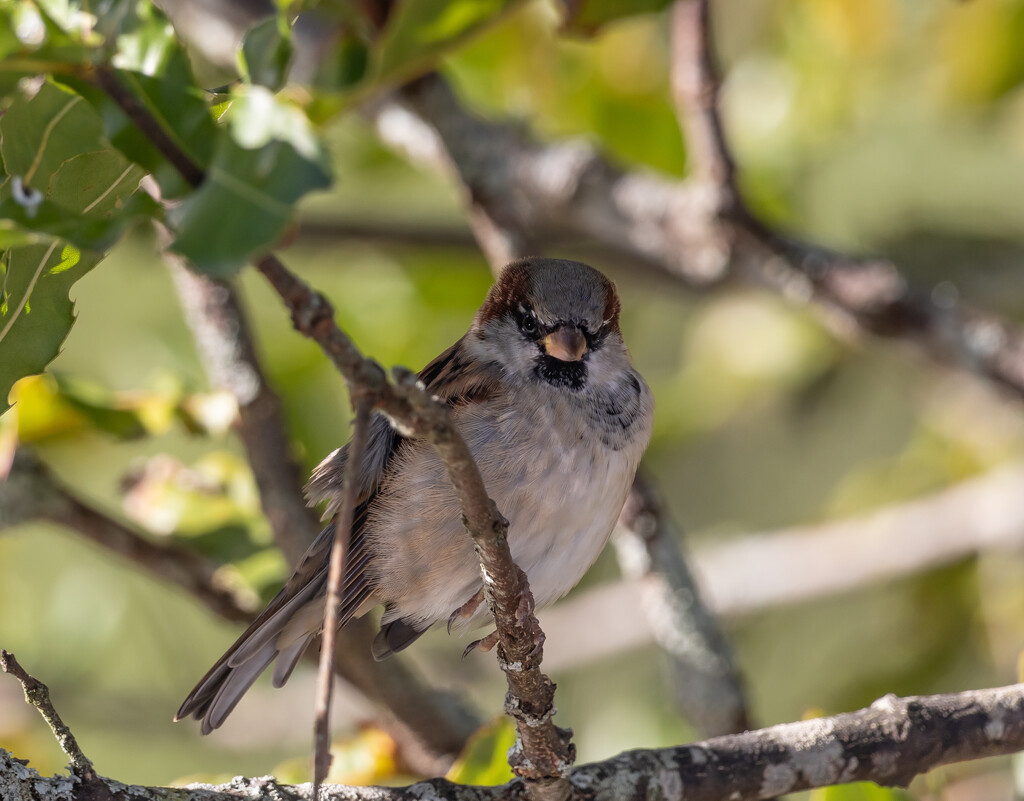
(282, 631)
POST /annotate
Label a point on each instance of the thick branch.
(890, 742)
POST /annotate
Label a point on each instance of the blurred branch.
(761, 571)
(869, 294)
(214, 313)
(543, 753)
(32, 492)
(389, 233)
(697, 230)
(890, 742)
(708, 684)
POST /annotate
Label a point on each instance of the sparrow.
(543, 390)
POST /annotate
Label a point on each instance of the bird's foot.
(466, 611)
(484, 644)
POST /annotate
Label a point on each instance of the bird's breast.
(559, 473)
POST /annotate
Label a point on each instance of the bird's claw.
(484, 644)
(466, 611)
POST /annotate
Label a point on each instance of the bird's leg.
(465, 612)
(484, 644)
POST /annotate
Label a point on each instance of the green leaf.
(95, 183)
(145, 40)
(267, 158)
(420, 31)
(179, 107)
(484, 760)
(89, 199)
(42, 132)
(31, 333)
(589, 16)
(266, 53)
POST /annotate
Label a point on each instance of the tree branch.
(890, 742)
(694, 229)
(37, 694)
(221, 330)
(708, 684)
(332, 603)
(32, 492)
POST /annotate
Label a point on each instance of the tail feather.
(288, 659)
(394, 637)
(234, 687)
(270, 630)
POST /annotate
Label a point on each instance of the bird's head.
(552, 320)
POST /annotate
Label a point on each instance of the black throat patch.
(572, 375)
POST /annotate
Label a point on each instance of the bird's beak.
(566, 343)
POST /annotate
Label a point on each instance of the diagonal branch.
(222, 333)
(708, 685)
(37, 694)
(32, 492)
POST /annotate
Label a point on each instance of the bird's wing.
(457, 379)
(294, 617)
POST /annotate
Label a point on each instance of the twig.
(391, 234)
(332, 604)
(708, 685)
(37, 694)
(545, 750)
(890, 742)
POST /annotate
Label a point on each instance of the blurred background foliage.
(886, 126)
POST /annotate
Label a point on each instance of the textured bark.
(890, 742)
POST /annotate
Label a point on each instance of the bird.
(543, 390)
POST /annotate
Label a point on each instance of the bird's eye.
(528, 324)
